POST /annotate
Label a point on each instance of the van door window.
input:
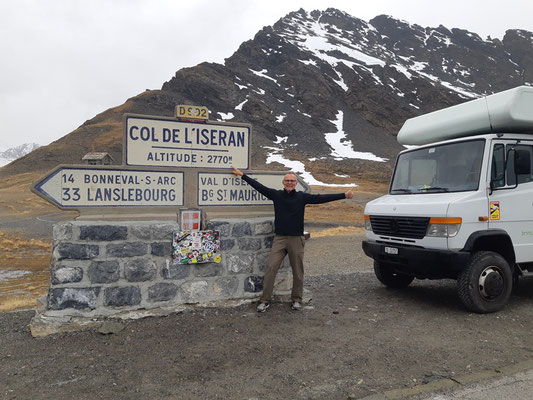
(511, 176)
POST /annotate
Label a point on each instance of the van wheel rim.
(491, 283)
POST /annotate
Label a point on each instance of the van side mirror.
(522, 162)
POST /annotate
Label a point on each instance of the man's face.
(289, 182)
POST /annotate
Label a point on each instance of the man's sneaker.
(296, 306)
(262, 307)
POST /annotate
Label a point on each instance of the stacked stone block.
(103, 268)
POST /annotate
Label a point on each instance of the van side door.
(511, 200)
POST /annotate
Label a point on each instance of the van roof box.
(507, 111)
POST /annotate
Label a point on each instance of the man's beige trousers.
(281, 246)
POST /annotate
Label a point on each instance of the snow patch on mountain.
(342, 148)
(298, 167)
(327, 43)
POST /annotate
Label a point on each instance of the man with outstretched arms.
(289, 209)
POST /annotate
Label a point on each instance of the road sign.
(192, 112)
(82, 186)
(223, 189)
(158, 141)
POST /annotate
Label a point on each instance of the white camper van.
(460, 202)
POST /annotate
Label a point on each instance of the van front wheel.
(485, 285)
(386, 275)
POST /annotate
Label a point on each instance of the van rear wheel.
(389, 277)
(485, 285)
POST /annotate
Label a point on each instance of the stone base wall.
(105, 268)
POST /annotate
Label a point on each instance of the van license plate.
(391, 250)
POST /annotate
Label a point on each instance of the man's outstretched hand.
(236, 171)
(349, 194)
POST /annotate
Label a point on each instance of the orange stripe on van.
(446, 221)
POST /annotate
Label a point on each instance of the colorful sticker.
(191, 247)
(494, 210)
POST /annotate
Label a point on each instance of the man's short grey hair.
(291, 173)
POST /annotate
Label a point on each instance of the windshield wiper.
(401, 190)
(435, 189)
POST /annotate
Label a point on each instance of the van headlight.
(444, 227)
(368, 224)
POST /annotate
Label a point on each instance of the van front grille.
(405, 227)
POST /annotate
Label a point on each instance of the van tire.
(485, 285)
(390, 278)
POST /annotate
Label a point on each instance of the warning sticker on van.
(494, 210)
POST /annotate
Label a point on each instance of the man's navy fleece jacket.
(289, 207)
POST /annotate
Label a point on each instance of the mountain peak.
(13, 153)
(323, 90)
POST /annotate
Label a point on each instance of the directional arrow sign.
(82, 186)
(223, 189)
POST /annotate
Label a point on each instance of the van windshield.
(452, 167)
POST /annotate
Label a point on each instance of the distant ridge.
(9, 155)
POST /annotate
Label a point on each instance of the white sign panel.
(151, 141)
(223, 189)
(92, 187)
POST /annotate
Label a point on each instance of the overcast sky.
(64, 61)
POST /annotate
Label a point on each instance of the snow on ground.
(299, 168)
(343, 148)
(316, 38)
(263, 74)
(326, 42)
(239, 106)
(280, 118)
(225, 116)
(319, 45)
(308, 62)
(340, 82)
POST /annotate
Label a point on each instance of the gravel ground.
(354, 338)
(336, 255)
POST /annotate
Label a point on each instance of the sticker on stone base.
(191, 247)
